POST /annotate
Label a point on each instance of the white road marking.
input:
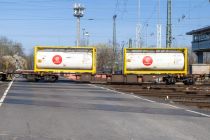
(195, 112)
(5, 93)
(173, 106)
(124, 93)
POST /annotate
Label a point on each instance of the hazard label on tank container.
(57, 59)
(147, 60)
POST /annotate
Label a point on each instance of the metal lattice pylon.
(159, 28)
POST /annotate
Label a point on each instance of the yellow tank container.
(155, 61)
(60, 59)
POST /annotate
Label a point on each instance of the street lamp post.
(78, 13)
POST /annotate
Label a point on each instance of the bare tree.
(104, 58)
(11, 55)
(30, 61)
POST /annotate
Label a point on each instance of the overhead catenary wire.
(48, 5)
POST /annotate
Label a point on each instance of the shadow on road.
(102, 107)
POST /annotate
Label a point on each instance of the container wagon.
(50, 62)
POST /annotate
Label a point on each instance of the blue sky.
(51, 22)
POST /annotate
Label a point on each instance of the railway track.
(196, 95)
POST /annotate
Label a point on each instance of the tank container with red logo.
(65, 59)
(155, 61)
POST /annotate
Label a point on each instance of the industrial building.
(200, 42)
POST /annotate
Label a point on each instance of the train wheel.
(189, 81)
(36, 79)
(167, 82)
(173, 81)
(170, 81)
(51, 78)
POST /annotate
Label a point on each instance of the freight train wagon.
(50, 62)
(169, 64)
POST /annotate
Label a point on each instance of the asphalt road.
(71, 111)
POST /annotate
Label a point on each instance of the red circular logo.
(147, 60)
(57, 59)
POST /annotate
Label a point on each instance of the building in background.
(200, 42)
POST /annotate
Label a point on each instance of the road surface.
(71, 111)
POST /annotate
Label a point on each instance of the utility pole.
(78, 13)
(114, 32)
(83, 37)
(87, 38)
(138, 28)
(130, 43)
(168, 28)
(159, 27)
(147, 35)
(114, 42)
